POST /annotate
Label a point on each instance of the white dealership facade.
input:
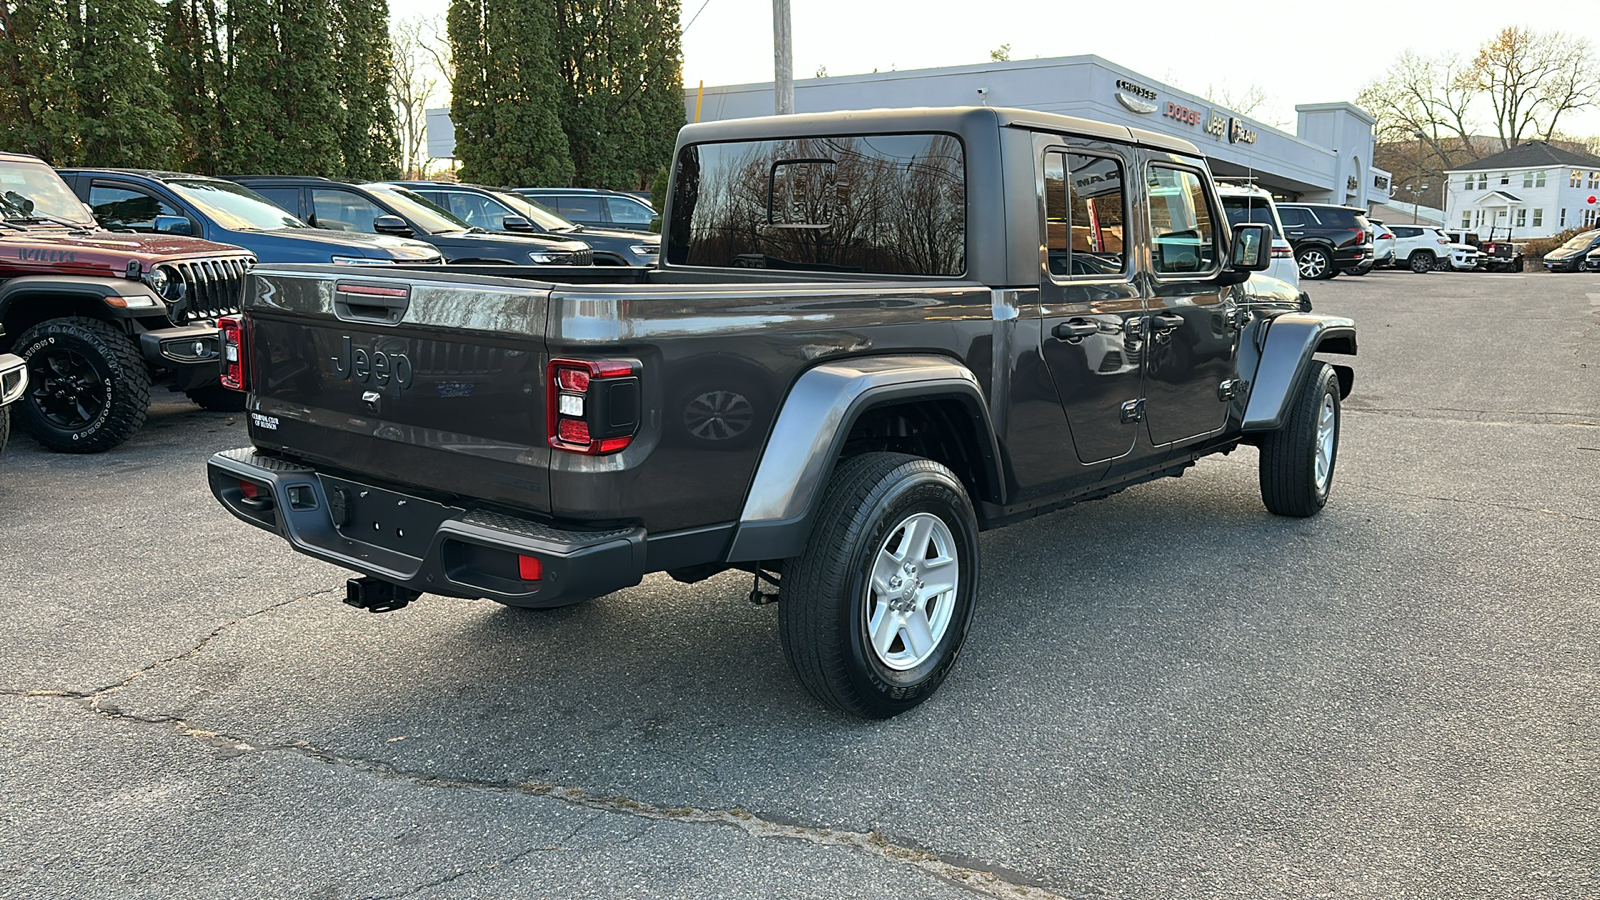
(1327, 160)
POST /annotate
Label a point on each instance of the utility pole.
(782, 60)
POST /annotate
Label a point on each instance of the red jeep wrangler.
(100, 316)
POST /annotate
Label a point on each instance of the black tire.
(1290, 485)
(1359, 270)
(824, 609)
(1315, 263)
(1517, 266)
(216, 398)
(1420, 262)
(88, 388)
(5, 427)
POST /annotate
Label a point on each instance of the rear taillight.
(1282, 252)
(592, 404)
(233, 352)
(1386, 236)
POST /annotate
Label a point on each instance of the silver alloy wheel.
(1327, 437)
(1312, 264)
(911, 593)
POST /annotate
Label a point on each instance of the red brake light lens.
(231, 336)
(592, 406)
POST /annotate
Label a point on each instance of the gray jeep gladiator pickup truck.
(872, 335)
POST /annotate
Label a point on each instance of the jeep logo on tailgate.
(371, 366)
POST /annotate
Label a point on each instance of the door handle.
(1075, 330)
(1167, 323)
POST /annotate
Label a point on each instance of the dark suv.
(508, 211)
(1327, 239)
(599, 208)
(134, 200)
(386, 209)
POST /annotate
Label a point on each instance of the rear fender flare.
(1286, 356)
(809, 435)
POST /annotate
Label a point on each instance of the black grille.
(211, 287)
(583, 257)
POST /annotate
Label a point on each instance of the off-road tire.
(216, 398)
(1289, 456)
(111, 408)
(1517, 266)
(823, 606)
(1420, 262)
(1315, 263)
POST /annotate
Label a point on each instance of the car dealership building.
(1327, 160)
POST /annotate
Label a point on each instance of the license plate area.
(371, 515)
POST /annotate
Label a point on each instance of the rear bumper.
(420, 544)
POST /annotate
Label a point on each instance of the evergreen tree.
(192, 58)
(36, 107)
(306, 79)
(368, 134)
(247, 96)
(123, 108)
(506, 92)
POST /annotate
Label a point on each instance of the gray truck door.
(1090, 304)
(1192, 343)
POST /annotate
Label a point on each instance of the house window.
(1538, 178)
(1594, 179)
(1563, 218)
(1505, 177)
(1589, 216)
(1466, 220)
(1538, 218)
(1522, 218)
(1483, 181)
(1575, 179)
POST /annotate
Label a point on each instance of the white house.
(1534, 190)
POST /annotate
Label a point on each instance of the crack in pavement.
(871, 843)
(1481, 416)
(94, 695)
(513, 859)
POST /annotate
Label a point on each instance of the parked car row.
(1580, 252)
(112, 279)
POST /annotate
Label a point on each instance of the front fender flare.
(1286, 353)
(809, 435)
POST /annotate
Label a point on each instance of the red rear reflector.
(612, 445)
(529, 568)
(248, 488)
(573, 431)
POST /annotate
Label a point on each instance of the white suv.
(1423, 249)
(1243, 203)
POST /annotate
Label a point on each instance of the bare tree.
(1427, 99)
(413, 85)
(1530, 79)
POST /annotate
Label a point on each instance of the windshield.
(1581, 241)
(1249, 209)
(234, 206)
(29, 189)
(427, 216)
(533, 212)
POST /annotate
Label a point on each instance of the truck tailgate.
(437, 384)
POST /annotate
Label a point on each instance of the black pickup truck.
(872, 336)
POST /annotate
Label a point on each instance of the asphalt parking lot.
(1168, 693)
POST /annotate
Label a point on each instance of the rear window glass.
(1249, 209)
(879, 204)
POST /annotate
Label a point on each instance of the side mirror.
(391, 225)
(516, 223)
(1252, 247)
(173, 225)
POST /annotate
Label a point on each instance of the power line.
(696, 16)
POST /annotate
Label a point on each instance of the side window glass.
(1181, 221)
(627, 211)
(1084, 215)
(343, 211)
(584, 209)
(475, 210)
(124, 209)
(287, 198)
(1291, 217)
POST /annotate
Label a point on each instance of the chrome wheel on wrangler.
(873, 612)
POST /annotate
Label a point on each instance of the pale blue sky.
(1295, 52)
